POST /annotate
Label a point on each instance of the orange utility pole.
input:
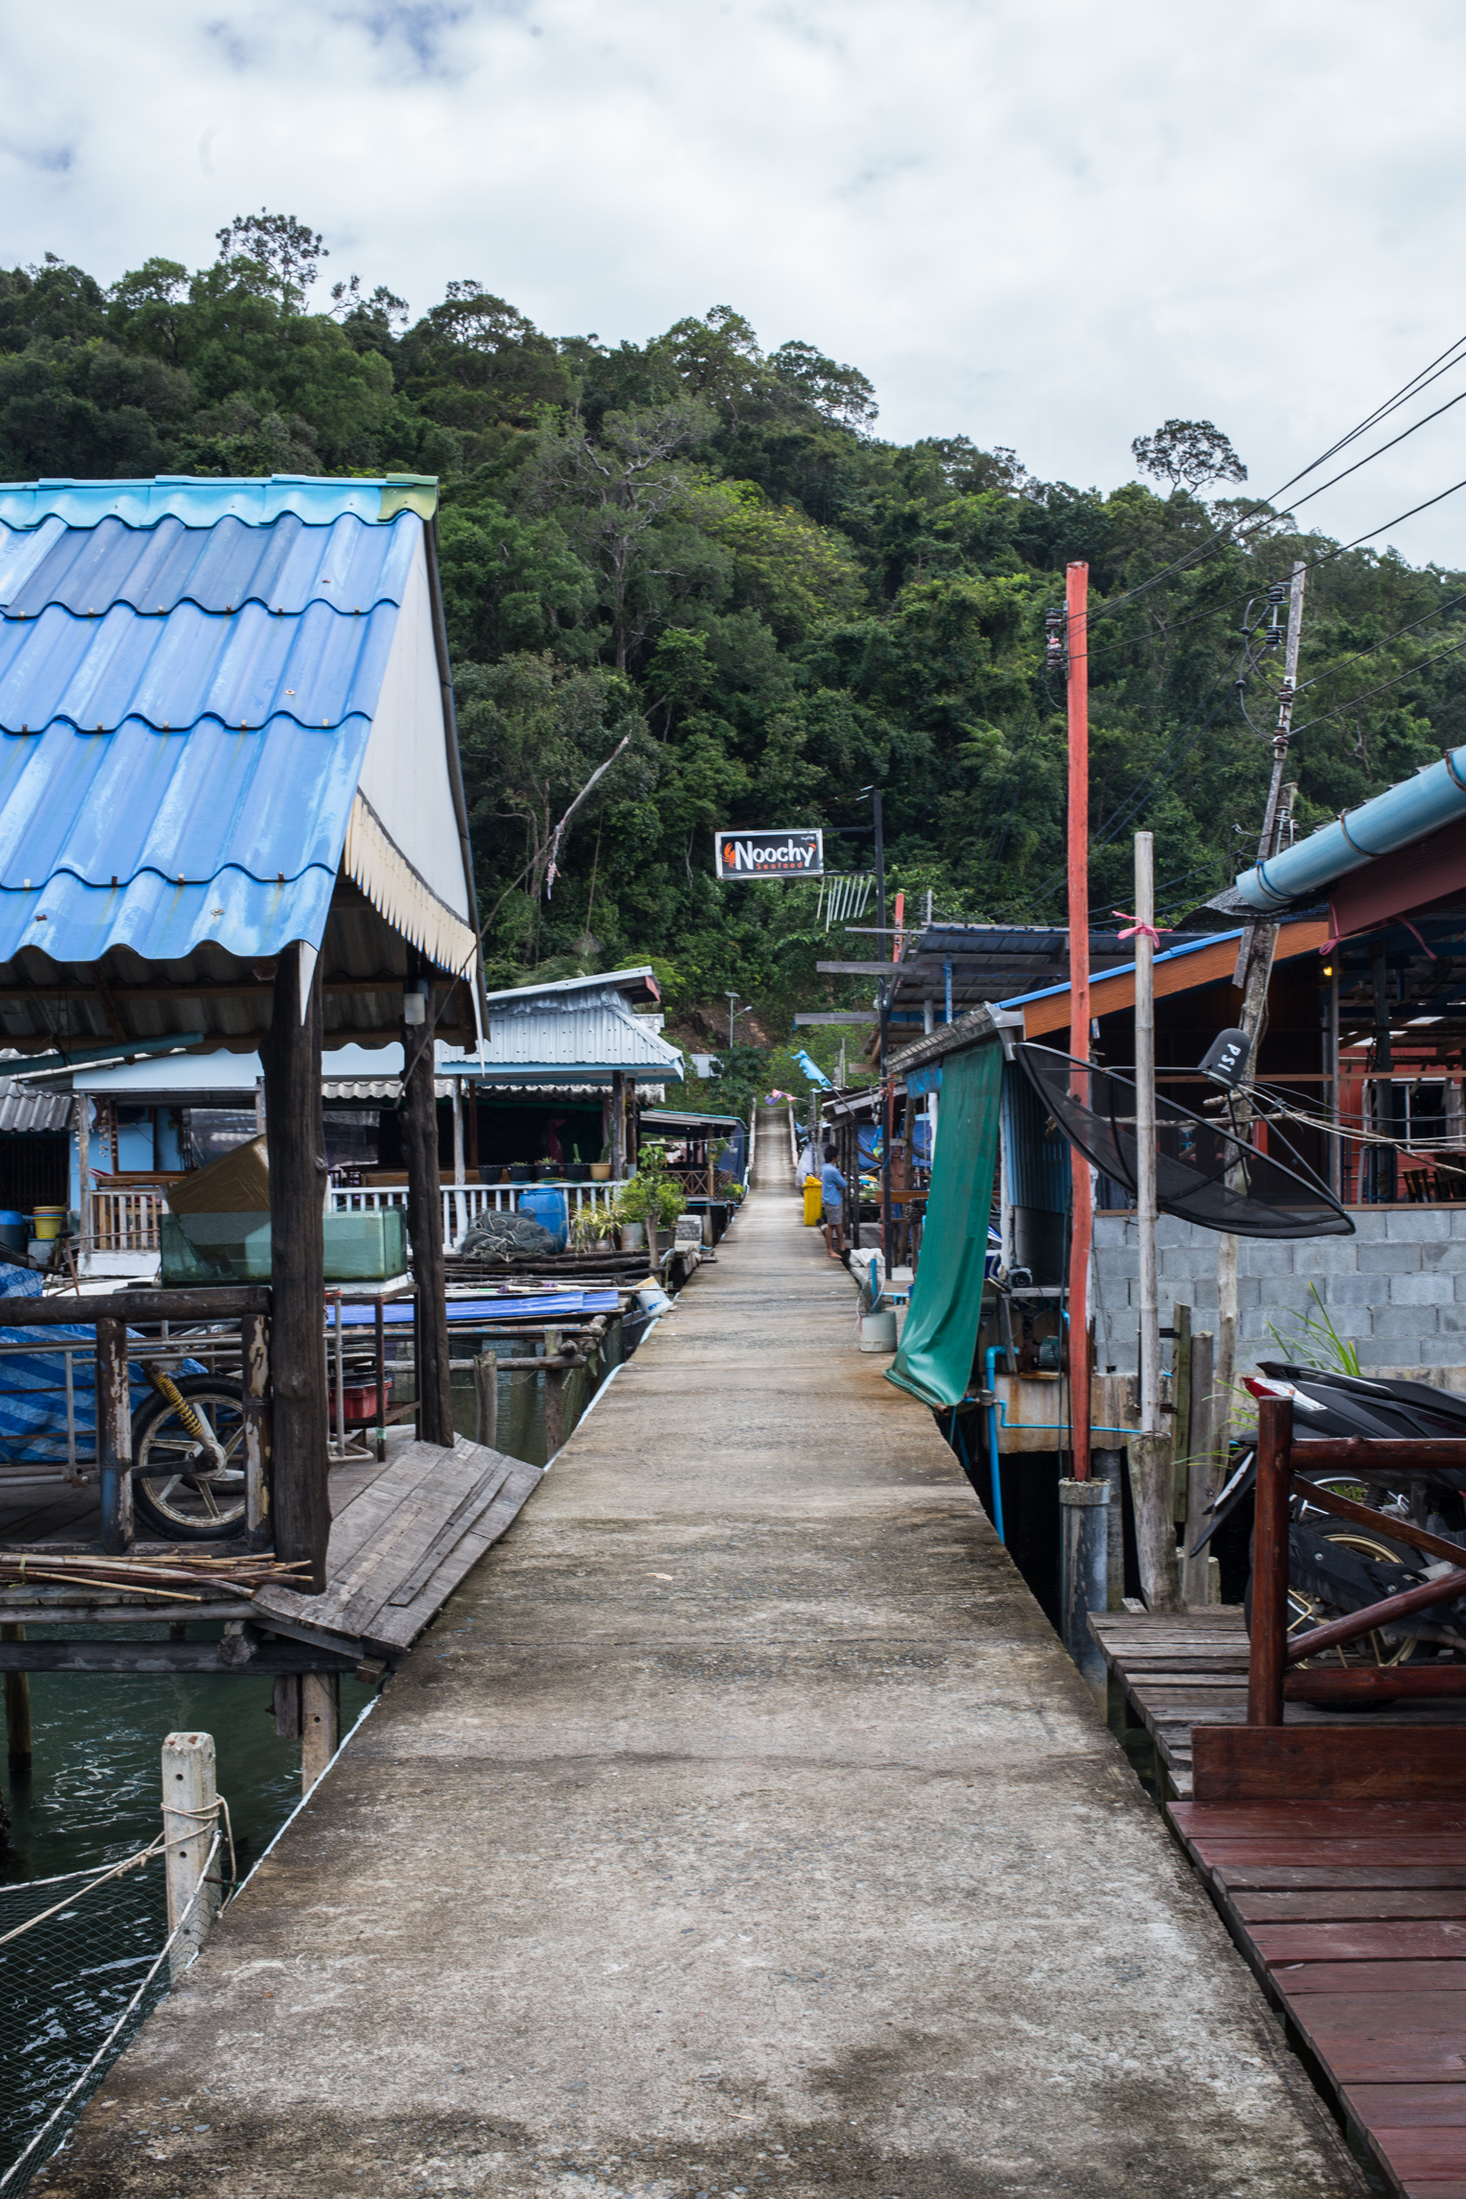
(1076, 598)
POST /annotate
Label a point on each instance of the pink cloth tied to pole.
(1136, 928)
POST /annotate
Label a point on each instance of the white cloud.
(1044, 225)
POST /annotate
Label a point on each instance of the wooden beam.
(425, 1228)
(122, 1655)
(1207, 966)
(296, 1143)
(138, 1306)
(1394, 1764)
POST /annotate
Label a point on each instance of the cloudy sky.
(1046, 223)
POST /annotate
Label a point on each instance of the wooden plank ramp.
(1338, 1860)
(1175, 1670)
(401, 1545)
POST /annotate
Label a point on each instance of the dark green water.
(93, 1796)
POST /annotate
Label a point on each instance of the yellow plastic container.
(814, 1200)
(48, 1220)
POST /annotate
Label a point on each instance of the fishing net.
(507, 1236)
(84, 1959)
(1203, 1173)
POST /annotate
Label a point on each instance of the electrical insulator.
(1278, 593)
(1054, 625)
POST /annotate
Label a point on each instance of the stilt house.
(231, 814)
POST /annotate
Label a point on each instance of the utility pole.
(1151, 1473)
(1076, 595)
(883, 999)
(1254, 968)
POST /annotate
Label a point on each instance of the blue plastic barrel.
(15, 1229)
(549, 1208)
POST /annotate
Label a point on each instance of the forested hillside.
(698, 554)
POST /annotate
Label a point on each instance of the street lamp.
(733, 999)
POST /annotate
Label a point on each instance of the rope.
(159, 1846)
(99, 2062)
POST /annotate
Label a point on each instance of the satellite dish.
(1203, 1173)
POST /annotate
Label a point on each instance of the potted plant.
(652, 1198)
(546, 1171)
(577, 1170)
(600, 1171)
(520, 1172)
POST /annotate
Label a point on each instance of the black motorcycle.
(1336, 1566)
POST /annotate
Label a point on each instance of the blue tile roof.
(188, 676)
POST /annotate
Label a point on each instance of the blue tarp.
(397, 1312)
(33, 1385)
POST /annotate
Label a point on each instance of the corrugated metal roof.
(257, 500)
(284, 566)
(188, 774)
(27, 1110)
(601, 1038)
(638, 983)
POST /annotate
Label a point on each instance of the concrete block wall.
(1396, 1289)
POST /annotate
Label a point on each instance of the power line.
(1454, 355)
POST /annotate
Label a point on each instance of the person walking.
(832, 1191)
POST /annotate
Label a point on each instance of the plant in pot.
(577, 1170)
(652, 1198)
(520, 1172)
(600, 1171)
(546, 1171)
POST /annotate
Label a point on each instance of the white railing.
(466, 1203)
(127, 1221)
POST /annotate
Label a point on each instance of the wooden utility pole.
(296, 1143)
(425, 1227)
(1150, 1452)
(1081, 1205)
(1254, 969)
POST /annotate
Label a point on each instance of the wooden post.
(17, 1706)
(254, 1356)
(1201, 1472)
(1269, 1625)
(618, 1126)
(190, 1818)
(82, 1118)
(1081, 1207)
(1145, 1134)
(114, 1436)
(296, 1144)
(425, 1227)
(320, 1724)
(1109, 1467)
(1181, 1423)
(554, 1395)
(381, 1382)
(1155, 1530)
(486, 1400)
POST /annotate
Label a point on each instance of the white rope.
(93, 2067)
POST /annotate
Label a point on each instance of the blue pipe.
(1394, 819)
(995, 1472)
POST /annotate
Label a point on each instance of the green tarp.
(940, 1336)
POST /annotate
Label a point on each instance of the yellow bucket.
(814, 1200)
(48, 1220)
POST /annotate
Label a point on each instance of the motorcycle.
(1336, 1566)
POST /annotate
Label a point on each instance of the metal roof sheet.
(171, 672)
(27, 1110)
(257, 500)
(188, 775)
(639, 984)
(348, 563)
(604, 1037)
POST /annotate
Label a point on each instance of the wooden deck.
(1353, 1915)
(403, 1535)
(1179, 1669)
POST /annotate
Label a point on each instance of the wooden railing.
(1277, 1668)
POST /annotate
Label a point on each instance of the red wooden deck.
(1352, 1911)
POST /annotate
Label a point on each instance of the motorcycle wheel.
(183, 1490)
(1306, 1611)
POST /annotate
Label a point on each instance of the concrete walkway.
(741, 1827)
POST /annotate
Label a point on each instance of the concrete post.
(1084, 1561)
(190, 1816)
(1108, 1467)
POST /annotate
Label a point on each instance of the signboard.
(797, 853)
